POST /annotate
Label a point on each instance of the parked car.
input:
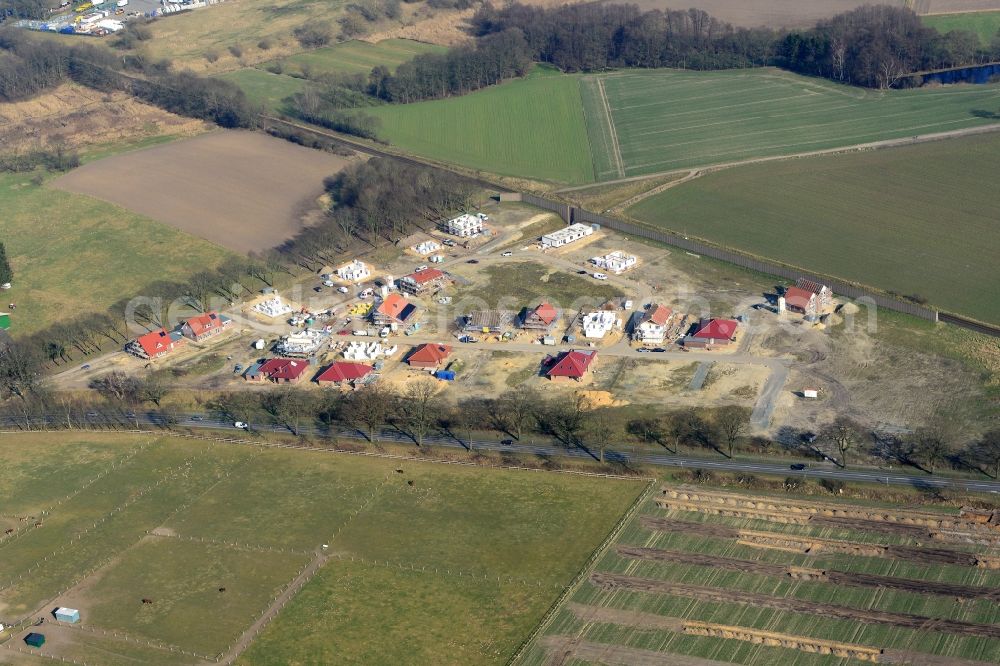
(343, 331)
(581, 272)
(642, 349)
(798, 467)
(85, 366)
(508, 253)
(506, 442)
(343, 290)
(197, 418)
(422, 267)
(472, 261)
(658, 350)
(600, 276)
(241, 425)
(317, 289)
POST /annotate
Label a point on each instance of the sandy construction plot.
(243, 190)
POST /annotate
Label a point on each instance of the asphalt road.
(210, 422)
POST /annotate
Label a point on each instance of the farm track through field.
(814, 545)
(616, 150)
(614, 582)
(844, 578)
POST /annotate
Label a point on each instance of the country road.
(209, 422)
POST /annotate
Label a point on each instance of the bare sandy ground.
(242, 190)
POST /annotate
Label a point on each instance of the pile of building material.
(368, 351)
(273, 307)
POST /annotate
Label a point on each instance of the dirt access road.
(245, 191)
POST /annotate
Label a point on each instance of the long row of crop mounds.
(652, 621)
(844, 578)
(907, 523)
(609, 581)
(815, 545)
(562, 649)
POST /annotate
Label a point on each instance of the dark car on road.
(798, 467)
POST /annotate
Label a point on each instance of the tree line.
(29, 67)
(873, 46)
(421, 412)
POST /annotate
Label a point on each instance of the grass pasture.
(264, 88)
(74, 255)
(985, 24)
(175, 521)
(617, 619)
(357, 57)
(530, 128)
(915, 219)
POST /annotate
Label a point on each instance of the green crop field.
(357, 57)
(613, 625)
(984, 24)
(74, 255)
(670, 120)
(532, 128)
(640, 122)
(212, 534)
(264, 88)
(914, 220)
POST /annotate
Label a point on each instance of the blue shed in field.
(35, 640)
(446, 375)
(71, 615)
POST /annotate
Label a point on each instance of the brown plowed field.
(810, 545)
(243, 190)
(836, 577)
(717, 595)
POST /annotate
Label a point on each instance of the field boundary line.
(122, 636)
(616, 151)
(584, 572)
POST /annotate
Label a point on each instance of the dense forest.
(873, 46)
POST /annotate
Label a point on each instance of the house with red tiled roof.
(416, 283)
(205, 326)
(278, 370)
(154, 344)
(394, 309)
(542, 318)
(343, 372)
(652, 326)
(569, 365)
(712, 333)
(428, 355)
(801, 301)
